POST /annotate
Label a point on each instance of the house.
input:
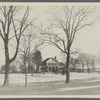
(61, 66)
(52, 64)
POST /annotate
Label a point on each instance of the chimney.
(55, 57)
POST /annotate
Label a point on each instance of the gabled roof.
(44, 62)
(55, 60)
(46, 59)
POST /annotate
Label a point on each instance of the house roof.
(44, 62)
(60, 64)
(46, 59)
(55, 59)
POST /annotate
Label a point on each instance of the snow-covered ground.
(19, 79)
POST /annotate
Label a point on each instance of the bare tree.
(29, 44)
(12, 28)
(93, 62)
(81, 57)
(87, 60)
(69, 20)
(90, 61)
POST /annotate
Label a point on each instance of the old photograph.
(49, 49)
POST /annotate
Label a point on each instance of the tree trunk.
(88, 70)
(6, 79)
(67, 67)
(25, 71)
(32, 70)
(83, 67)
(93, 66)
(37, 68)
(7, 64)
(74, 65)
(25, 76)
(32, 73)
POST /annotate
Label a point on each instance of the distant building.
(52, 64)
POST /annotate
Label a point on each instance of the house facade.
(52, 64)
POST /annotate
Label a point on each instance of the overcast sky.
(88, 39)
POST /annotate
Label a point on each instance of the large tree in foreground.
(13, 23)
(66, 22)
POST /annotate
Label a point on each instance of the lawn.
(42, 83)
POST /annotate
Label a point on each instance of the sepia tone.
(50, 49)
